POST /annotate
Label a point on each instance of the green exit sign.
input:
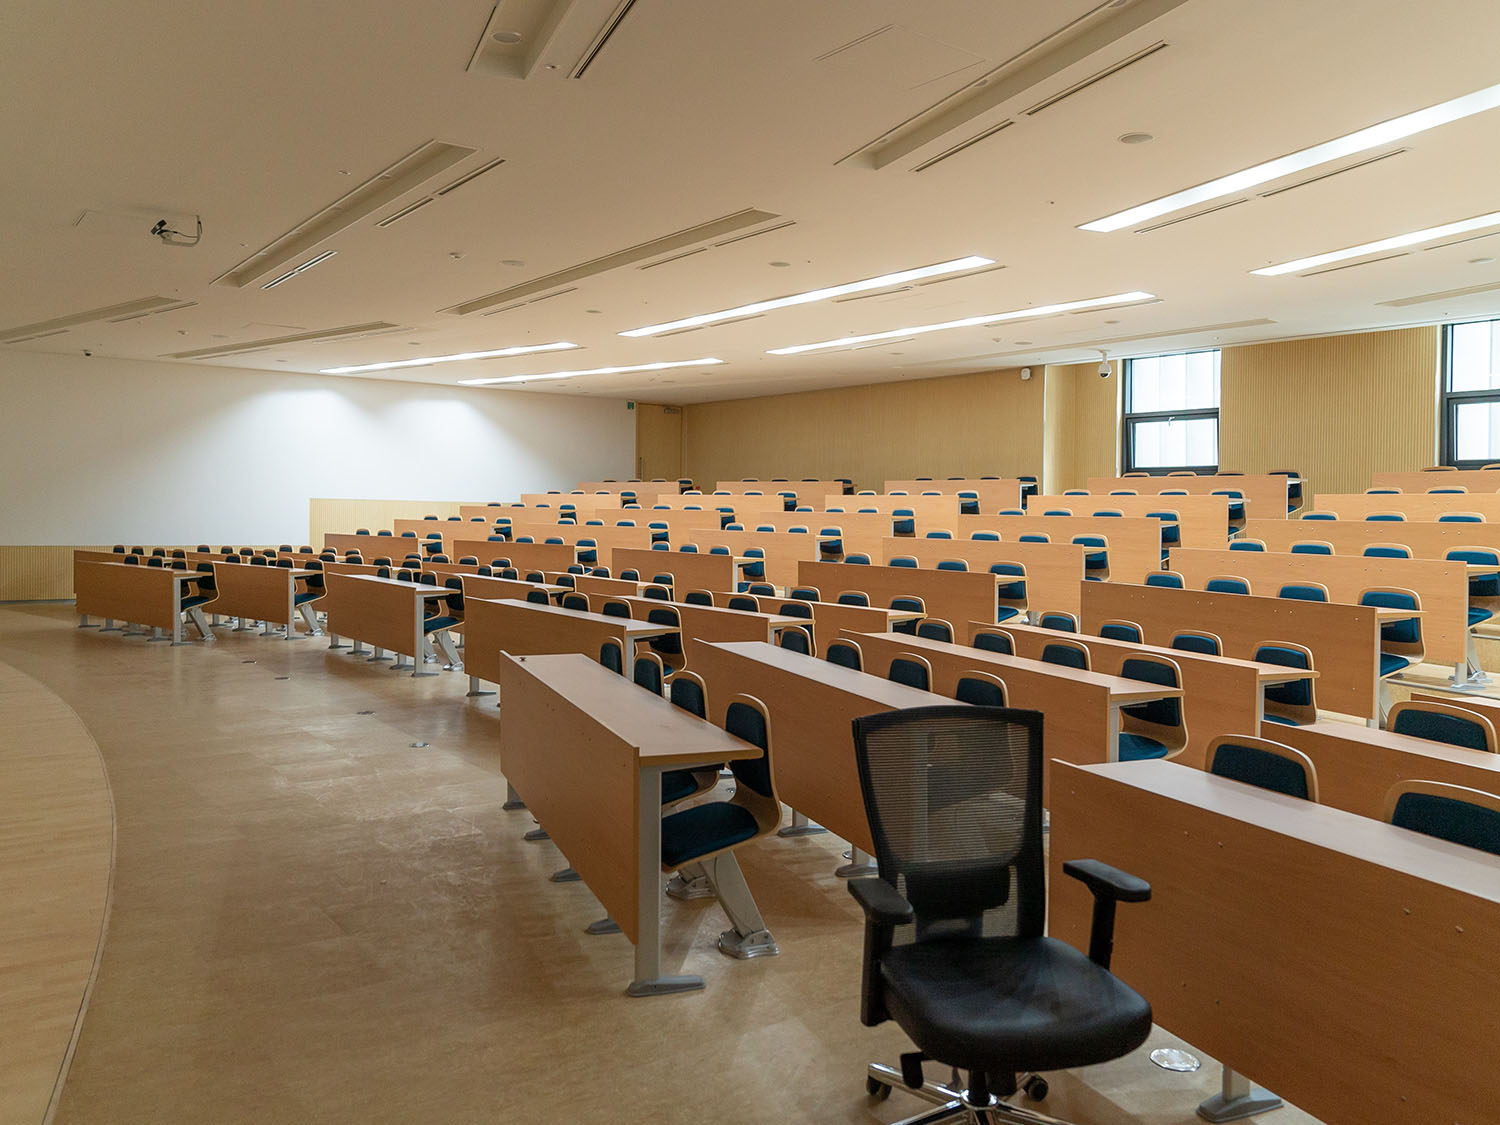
(630, 405)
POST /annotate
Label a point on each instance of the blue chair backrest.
(1057, 512)
(952, 564)
(1386, 517)
(1036, 538)
(1300, 593)
(1459, 517)
(1065, 655)
(1320, 516)
(1406, 631)
(1296, 693)
(904, 560)
(688, 549)
(796, 640)
(843, 654)
(747, 723)
(939, 535)
(1246, 545)
(1435, 727)
(1227, 586)
(1196, 642)
(803, 593)
(910, 605)
(910, 673)
(1447, 818)
(687, 693)
(979, 693)
(853, 597)
(994, 642)
(1166, 712)
(1311, 549)
(986, 536)
(1117, 631)
(857, 559)
(1060, 622)
(744, 602)
(1487, 586)
(1254, 766)
(796, 609)
(1172, 581)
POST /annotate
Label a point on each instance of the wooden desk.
(1080, 710)
(586, 749)
(259, 593)
(863, 532)
(1414, 506)
(1427, 539)
(606, 539)
(615, 587)
(812, 705)
(1357, 765)
(741, 504)
(1265, 494)
(492, 628)
(993, 494)
(784, 549)
(1475, 480)
(708, 623)
(590, 501)
(645, 491)
(1443, 587)
(1054, 571)
(139, 595)
(523, 556)
(830, 619)
(930, 511)
(691, 571)
(683, 525)
(501, 589)
(1202, 521)
(1344, 639)
(953, 595)
(1341, 962)
(1220, 694)
(1134, 541)
(386, 612)
(803, 488)
(374, 546)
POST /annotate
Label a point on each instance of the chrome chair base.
(953, 1104)
(760, 943)
(685, 889)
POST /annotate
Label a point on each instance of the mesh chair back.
(954, 799)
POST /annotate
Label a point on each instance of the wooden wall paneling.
(38, 573)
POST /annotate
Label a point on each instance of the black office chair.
(954, 946)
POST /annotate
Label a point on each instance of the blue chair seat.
(432, 624)
(1138, 748)
(1279, 719)
(1478, 615)
(676, 785)
(1390, 663)
(702, 829)
(1005, 613)
(299, 599)
(196, 600)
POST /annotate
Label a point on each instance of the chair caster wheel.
(1036, 1088)
(877, 1090)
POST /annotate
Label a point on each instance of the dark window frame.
(1129, 420)
(1451, 400)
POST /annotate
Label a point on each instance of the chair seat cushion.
(1011, 1004)
(1137, 747)
(1005, 613)
(695, 832)
(1282, 720)
(195, 600)
(432, 624)
(677, 785)
(1390, 663)
(1478, 615)
(300, 599)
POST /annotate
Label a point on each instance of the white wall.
(96, 450)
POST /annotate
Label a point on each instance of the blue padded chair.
(1247, 545)
(707, 834)
(904, 521)
(909, 605)
(939, 533)
(911, 670)
(698, 597)
(1401, 644)
(980, 689)
(1444, 491)
(1108, 513)
(1293, 703)
(1236, 506)
(935, 629)
(1067, 654)
(830, 544)
(1171, 529)
(1387, 551)
(853, 597)
(796, 640)
(1304, 592)
(1010, 597)
(629, 575)
(687, 692)
(1059, 511)
(688, 549)
(611, 657)
(579, 602)
(1012, 511)
(1382, 491)
(657, 592)
(1061, 622)
(858, 559)
(1385, 517)
(661, 546)
(968, 503)
(805, 594)
(1448, 723)
(1469, 817)
(746, 603)
(1166, 578)
(907, 561)
(615, 608)
(952, 564)
(1227, 584)
(1034, 537)
(995, 640)
(754, 571)
(1209, 644)
(762, 590)
(986, 536)
(1127, 631)
(1095, 558)
(1293, 487)
(1264, 764)
(1156, 729)
(659, 531)
(1320, 515)
(1312, 547)
(1484, 591)
(1075, 492)
(1460, 517)
(846, 654)
(650, 673)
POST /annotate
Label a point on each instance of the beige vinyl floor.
(322, 914)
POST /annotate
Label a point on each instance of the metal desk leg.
(861, 863)
(1112, 751)
(801, 826)
(110, 626)
(648, 979)
(512, 799)
(83, 622)
(475, 689)
(1239, 1097)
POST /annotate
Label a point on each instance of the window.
(1471, 394)
(1172, 412)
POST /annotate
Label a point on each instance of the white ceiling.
(258, 116)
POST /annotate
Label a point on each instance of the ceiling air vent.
(1356, 265)
(469, 177)
(88, 316)
(1094, 79)
(1444, 295)
(516, 35)
(962, 145)
(370, 329)
(601, 40)
(1335, 172)
(1192, 215)
(405, 211)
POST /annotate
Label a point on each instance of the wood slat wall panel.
(39, 573)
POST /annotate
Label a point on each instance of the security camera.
(1104, 370)
(161, 225)
(87, 352)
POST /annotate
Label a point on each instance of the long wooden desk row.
(1265, 494)
(1414, 506)
(1202, 521)
(1428, 539)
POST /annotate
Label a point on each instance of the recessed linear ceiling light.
(972, 321)
(881, 282)
(1338, 148)
(591, 371)
(428, 361)
(307, 265)
(1431, 234)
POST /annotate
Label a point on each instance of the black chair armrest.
(1102, 879)
(880, 901)
(1108, 885)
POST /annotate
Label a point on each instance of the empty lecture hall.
(850, 562)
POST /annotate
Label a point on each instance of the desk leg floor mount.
(1238, 1098)
(801, 826)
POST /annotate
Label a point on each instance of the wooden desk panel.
(1357, 766)
(931, 511)
(526, 629)
(830, 620)
(691, 571)
(487, 513)
(863, 531)
(1202, 521)
(993, 494)
(1054, 571)
(523, 556)
(1442, 586)
(1273, 921)
(1414, 506)
(1134, 541)
(261, 593)
(505, 589)
(742, 504)
(706, 623)
(682, 525)
(607, 538)
(583, 501)
(1265, 493)
(372, 546)
(1344, 639)
(784, 550)
(386, 615)
(813, 705)
(1475, 480)
(955, 596)
(645, 490)
(1220, 695)
(141, 595)
(803, 488)
(1427, 539)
